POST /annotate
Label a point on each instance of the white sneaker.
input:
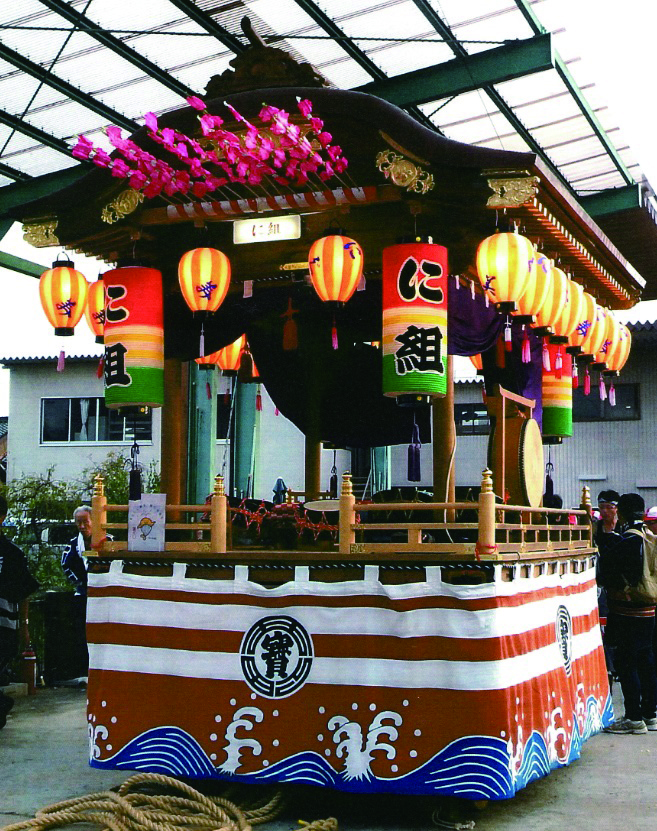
(651, 723)
(626, 725)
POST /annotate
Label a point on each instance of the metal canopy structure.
(490, 73)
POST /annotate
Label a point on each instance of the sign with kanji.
(415, 319)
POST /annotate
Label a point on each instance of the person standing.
(16, 583)
(630, 623)
(74, 564)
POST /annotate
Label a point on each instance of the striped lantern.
(94, 311)
(414, 321)
(134, 338)
(610, 342)
(565, 324)
(553, 306)
(557, 393)
(536, 291)
(208, 362)
(204, 277)
(63, 292)
(618, 357)
(230, 356)
(595, 336)
(477, 362)
(336, 266)
(585, 322)
(506, 263)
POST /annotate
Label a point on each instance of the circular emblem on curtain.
(276, 656)
(564, 633)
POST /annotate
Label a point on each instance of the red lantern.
(228, 358)
(336, 266)
(204, 276)
(95, 309)
(63, 292)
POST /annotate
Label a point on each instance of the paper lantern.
(336, 266)
(94, 311)
(566, 322)
(204, 277)
(596, 334)
(230, 356)
(618, 358)
(536, 291)
(506, 263)
(557, 394)
(63, 292)
(610, 341)
(555, 301)
(248, 372)
(134, 338)
(477, 362)
(414, 321)
(586, 320)
(208, 362)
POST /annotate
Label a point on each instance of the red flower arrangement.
(281, 151)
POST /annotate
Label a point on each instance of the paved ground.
(43, 759)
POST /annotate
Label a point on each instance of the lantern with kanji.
(414, 321)
(595, 336)
(336, 266)
(585, 321)
(610, 341)
(506, 262)
(63, 292)
(134, 338)
(204, 277)
(618, 357)
(557, 393)
(565, 323)
(536, 291)
(552, 308)
(228, 358)
(94, 311)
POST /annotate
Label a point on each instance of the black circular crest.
(276, 656)
(564, 633)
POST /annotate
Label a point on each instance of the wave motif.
(473, 767)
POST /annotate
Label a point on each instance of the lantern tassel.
(603, 389)
(587, 382)
(61, 361)
(258, 400)
(208, 390)
(612, 395)
(414, 466)
(500, 355)
(290, 336)
(575, 376)
(558, 363)
(100, 369)
(334, 335)
(201, 343)
(508, 346)
(546, 358)
(333, 481)
(526, 347)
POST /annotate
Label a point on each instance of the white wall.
(26, 456)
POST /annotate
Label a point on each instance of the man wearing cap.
(631, 623)
(651, 519)
(605, 531)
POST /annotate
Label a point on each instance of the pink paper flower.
(195, 102)
(83, 148)
(305, 107)
(150, 120)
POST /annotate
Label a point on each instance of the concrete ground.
(43, 760)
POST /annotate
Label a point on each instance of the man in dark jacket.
(75, 568)
(16, 583)
(630, 623)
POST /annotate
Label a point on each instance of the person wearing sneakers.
(630, 624)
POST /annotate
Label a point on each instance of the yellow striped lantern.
(565, 324)
(336, 266)
(536, 291)
(63, 292)
(557, 395)
(587, 317)
(610, 341)
(94, 311)
(506, 263)
(618, 357)
(414, 321)
(595, 336)
(553, 306)
(230, 356)
(134, 338)
(204, 277)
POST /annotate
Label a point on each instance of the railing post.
(486, 534)
(28, 658)
(218, 511)
(98, 513)
(585, 505)
(347, 502)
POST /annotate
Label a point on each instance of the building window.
(88, 420)
(224, 407)
(471, 420)
(591, 408)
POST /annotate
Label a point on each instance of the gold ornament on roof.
(403, 173)
(125, 203)
(510, 193)
(41, 234)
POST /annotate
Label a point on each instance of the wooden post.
(312, 467)
(347, 502)
(444, 445)
(28, 658)
(585, 503)
(173, 445)
(98, 513)
(218, 513)
(486, 536)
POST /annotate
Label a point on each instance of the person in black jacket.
(16, 583)
(630, 623)
(75, 568)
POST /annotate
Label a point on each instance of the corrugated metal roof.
(45, 359)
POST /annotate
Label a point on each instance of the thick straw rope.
(138, 806)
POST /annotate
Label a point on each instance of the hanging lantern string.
(201, 343)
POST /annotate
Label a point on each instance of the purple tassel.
(414, 468)
(603, 388)
(612, 395)
(334, 335)
(61, 361)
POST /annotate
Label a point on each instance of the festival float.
(430, 647)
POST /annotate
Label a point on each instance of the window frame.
(128, 436)
(472, 407)
(606, 411)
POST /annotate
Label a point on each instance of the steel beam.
(613, 200)
(20, 266)
(205, 21)
(33, 132)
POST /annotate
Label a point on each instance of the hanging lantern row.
(522, 282)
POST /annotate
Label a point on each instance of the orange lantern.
(610, 342)
(506, 263)
(94, 311)
(618, 358)
(565, 324)
(248, 373)
(586, 320)
(336, 266)
(208, 361)
(228, 358)
(63, 292)
(552, 308)
(204, 276)
(536, 291)
(477, 362)
(595, 336)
